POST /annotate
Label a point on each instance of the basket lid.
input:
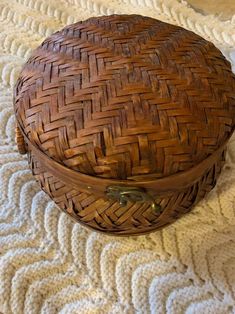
(126, 97)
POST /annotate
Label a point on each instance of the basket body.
(125, 120)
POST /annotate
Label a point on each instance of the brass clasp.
(123, 194)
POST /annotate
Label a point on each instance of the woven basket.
(125, 120)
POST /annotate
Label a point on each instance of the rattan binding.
(129, 101)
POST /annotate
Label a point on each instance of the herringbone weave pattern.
(125, 97)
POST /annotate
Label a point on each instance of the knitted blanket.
(48, 263)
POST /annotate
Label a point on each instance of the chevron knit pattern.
(48, 264)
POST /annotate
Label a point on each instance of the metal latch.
(123, 194)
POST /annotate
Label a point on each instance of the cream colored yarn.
(49, 264)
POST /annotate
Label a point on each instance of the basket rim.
(98, 185)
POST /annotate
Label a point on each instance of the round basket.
(125, 120)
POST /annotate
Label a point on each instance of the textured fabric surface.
(48, 263)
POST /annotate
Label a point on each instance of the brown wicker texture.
(128, 101)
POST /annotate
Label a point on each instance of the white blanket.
(48, 263)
